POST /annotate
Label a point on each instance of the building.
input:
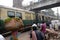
(17, 3)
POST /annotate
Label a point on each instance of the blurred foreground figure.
(2, 38)
(36, 34)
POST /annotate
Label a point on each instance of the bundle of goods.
(52, 32)
(13, 24)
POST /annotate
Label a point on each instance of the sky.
(6, 2)
(10, 2)
(25, 2)
(55, 10)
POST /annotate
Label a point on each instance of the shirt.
(51, 27)
(56, 26)
(43, 28)
(34, 36)
(1, 37)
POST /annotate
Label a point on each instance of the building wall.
(46, 17)
(3, 13)
(17, 3)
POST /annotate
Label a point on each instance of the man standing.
(43, 27)
(36, 34)
(56, 26)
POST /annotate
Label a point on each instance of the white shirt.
(51, 27)
(56, 26)
(1, 37)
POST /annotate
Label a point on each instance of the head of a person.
(34, 28)
(34, 22)
(43, 21)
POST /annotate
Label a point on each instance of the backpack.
(40, 35)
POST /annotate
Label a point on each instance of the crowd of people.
(39, 30)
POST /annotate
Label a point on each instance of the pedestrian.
(38, 24)
(35, 34)
(2, 38)
(56, 26)
(51, 26)
(48, 24)
(43, 27)
(34, 25)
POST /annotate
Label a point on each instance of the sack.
(11, 25)
(20, 25)
(14, 24)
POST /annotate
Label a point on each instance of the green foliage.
(8, 20)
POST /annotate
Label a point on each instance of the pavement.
(24, 36)
(21, 36)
